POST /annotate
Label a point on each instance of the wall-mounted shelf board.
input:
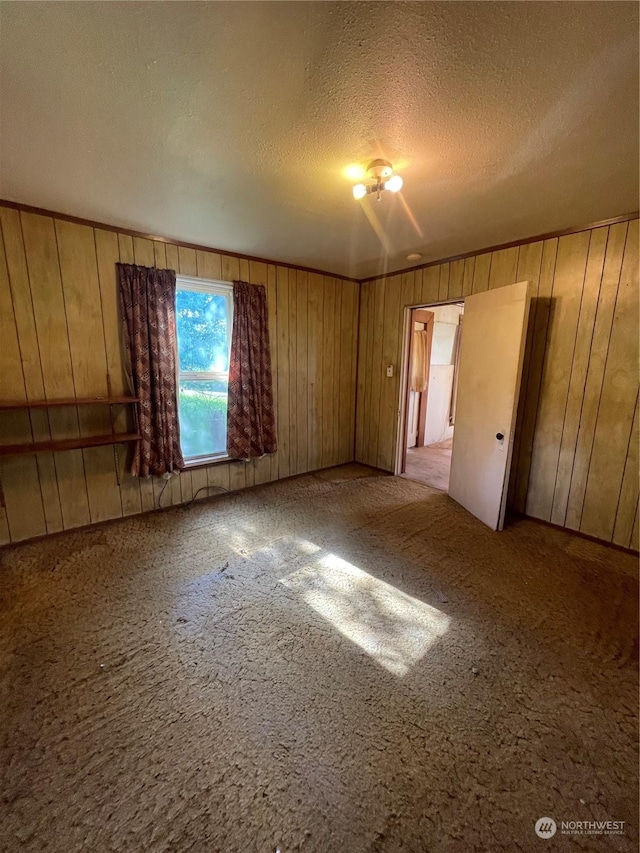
(65, 401)
(67, 443)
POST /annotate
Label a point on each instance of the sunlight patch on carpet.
(393, 628)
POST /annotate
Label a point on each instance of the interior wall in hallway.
(60, 337)
(576, 446)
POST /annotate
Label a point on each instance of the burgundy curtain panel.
(147, 299)
(251, 427)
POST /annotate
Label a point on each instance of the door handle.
(500, 436)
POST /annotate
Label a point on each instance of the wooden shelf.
(67, 443)
(66, 401)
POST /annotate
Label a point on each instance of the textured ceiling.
(230, 124)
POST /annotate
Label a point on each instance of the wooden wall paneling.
(355, 307)
(337, 370)
(329, 304)
(315, 308)
(272, 306)
(456, 280)
(617, 403)
(22, 308)
(595, 372)
(578, 373)
(302, 371)
(292, 356)
(81, 290)
(282, 299)
(504, 265)
(19, 475)
(389, 393)
(542, 309)
(430, 290)
(209, 265)
(345, 384)
(628, 501)
(415, 278)
(481, 273)
(529, 266)
(443, 287)
(378, 370)
(43, 264)
(571, 262)
(467, 279)
(20, 293)
(635, 540)
(362, 415)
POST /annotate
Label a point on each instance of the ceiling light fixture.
(414, 256)
(381, 173)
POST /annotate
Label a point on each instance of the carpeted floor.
(430, 465)
(342, 663)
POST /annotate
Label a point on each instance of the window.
(204, 318)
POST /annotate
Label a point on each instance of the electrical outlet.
(390, 371)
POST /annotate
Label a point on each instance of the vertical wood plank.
(540, 324)
(504, 265)
(314, 369)
(390, 385)
(481, 273)
(456, 280)
(566, 295)
(337, 378)
(595, 372)
(345, 387)
(469, 272)
(41, 252)
(327, 372)
(363, 370)
(578, 373)
(282, 302)
(628, 501)
(430, 290)
(24, 513)
(617, 403)
(377, 368)
(529, 264)
(443, 287)
(301, 372)
(81, 290)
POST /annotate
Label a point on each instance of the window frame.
(220, 288)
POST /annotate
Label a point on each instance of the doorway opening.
(433, 347)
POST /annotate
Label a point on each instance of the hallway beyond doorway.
(430, 465)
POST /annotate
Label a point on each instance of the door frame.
(403, 401)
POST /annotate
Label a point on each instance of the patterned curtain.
(147, 298)
(251, 428)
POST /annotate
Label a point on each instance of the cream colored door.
(491, 356)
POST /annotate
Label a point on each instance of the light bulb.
(394, 184)
(359, 191)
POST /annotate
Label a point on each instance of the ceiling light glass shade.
(359, 191)
(394, 184)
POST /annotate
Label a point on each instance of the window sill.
(206, 462)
